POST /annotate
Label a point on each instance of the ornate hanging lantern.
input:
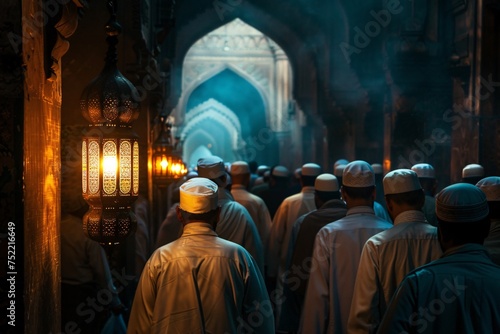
(167, 163)
(110, 149)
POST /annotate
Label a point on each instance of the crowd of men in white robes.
(353, 251)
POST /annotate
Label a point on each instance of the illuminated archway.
(244, 54)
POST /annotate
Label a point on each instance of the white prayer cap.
(311, 169)
(424, 170)
(461, 203)
(211, 167)
(191, 175)
(240, 167)
(340, 162)
(326, 182)
(339, 170)
(377, 168)
(280, 171)
(262, 169)
(473, 170)
(358, 174)
(401, 181)
(198, 195)
(490, 187)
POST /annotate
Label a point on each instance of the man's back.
(299, 255)
(336, 254)
(236, 225)
(292, 208)
(458, 293)
(256, 208)
(386, 259)
(200, 283)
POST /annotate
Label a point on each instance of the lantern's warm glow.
(167, 165)
(110, 181)
(164, 165)
(109, 165)
(167, 168)
(110, 151)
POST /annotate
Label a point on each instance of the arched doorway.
(250, 75)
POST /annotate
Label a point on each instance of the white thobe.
(288, 212)
(336, 253)
(290, 209)
(236, 225)
(201, 284)
(386, 259)
(256, 208)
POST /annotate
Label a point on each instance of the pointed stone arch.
(220, 116)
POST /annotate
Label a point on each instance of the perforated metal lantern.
(110, 150)
(167, 163)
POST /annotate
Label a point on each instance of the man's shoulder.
(397, 233)
(293, 198)
(233, 205)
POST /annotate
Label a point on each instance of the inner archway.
(237, 94)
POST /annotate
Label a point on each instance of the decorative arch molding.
(200, 132)
(188, 147)
(299, 53)
(215, 111)
(200, 151)
(246, 71)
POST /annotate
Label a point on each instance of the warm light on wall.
(110, 149)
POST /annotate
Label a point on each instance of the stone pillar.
(282, 91)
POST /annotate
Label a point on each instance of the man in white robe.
(389, 255)
(290, 209)
(235, 222)
(201, 283)
(336, 253)
(240, 175)
(427, 178)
